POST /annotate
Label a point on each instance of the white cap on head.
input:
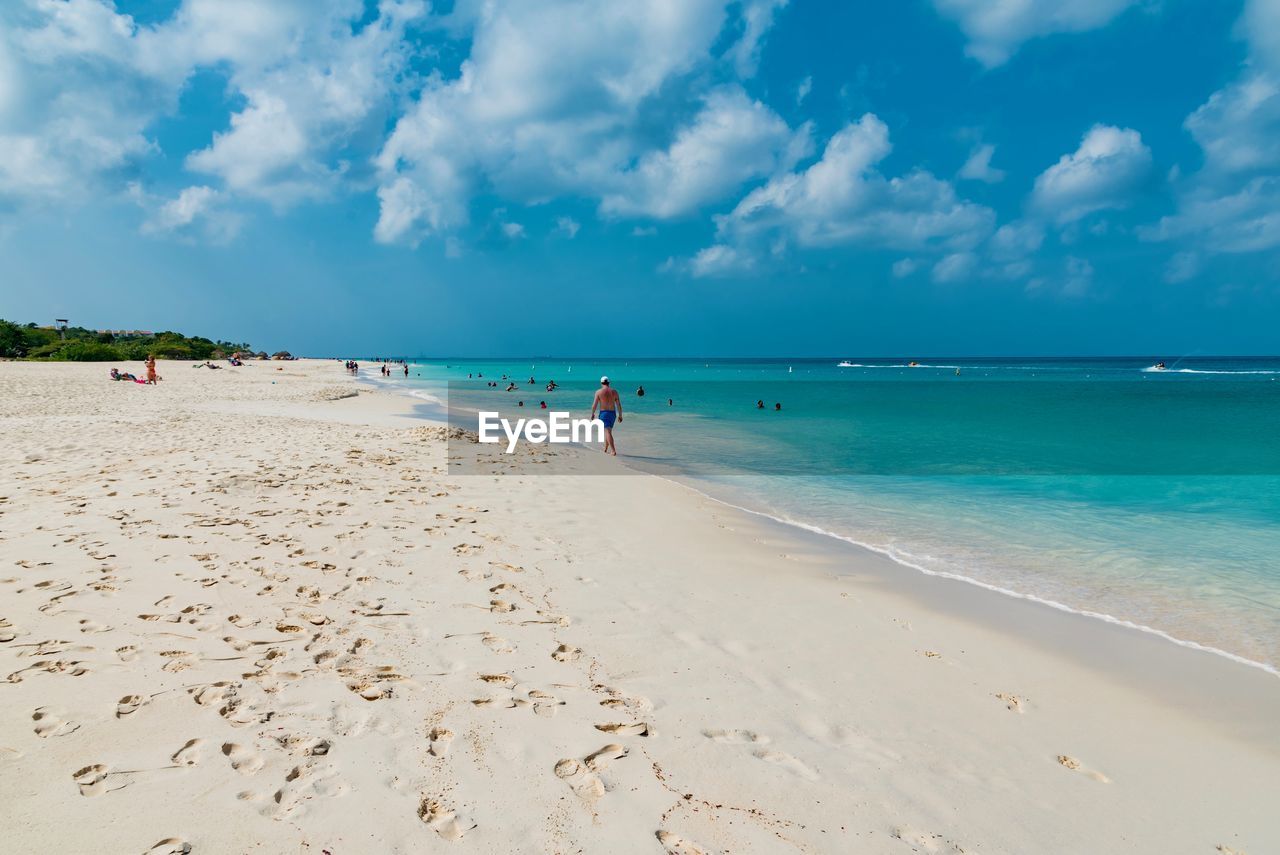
(604, 380)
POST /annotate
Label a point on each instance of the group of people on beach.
(152, 376)
(607, 403)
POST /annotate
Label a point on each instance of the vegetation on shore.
(77, 344)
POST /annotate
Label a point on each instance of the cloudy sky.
(676, 177)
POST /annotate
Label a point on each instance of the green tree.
(87, 351)
(13, 342)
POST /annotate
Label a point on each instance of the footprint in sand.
(674, 844)
(305, 745)
(923, 841)
(496, 643)
(438, 741)
(1013, 702)
(444, 821)
(189, 754)
(639, 728)
(786, 761)
(542, 703)
(128, 705)
(49, 722)
(370, 691)
(1069, 762)
(778, 758)
(212, 694)
(91, 779)
(583, 776)
(244, 760)
(566, 653)
(736, 737)
(301, 785)
(618, 701)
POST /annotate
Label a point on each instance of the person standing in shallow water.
(609, 403)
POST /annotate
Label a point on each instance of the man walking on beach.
(609, 403)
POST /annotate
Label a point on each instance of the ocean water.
(1105, 486)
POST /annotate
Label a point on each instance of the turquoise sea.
(1108, 486)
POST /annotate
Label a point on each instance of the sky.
(662, 178)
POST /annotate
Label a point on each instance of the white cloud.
(65, 121)
(545, 105)
(179, 212)
(1016, 241)
(304, 106)
(997, 28)
(956, 267)
(1104, 172)
(1232, 204)
(803, 90)
(93, 81)
(568, 226)
(757, 18)
(1239, 126)
(555, 99)
(718, 260)
(513, 230)
(732, 140)
(1260, 25)
(904, 267)
(1245, 220)
(843, 200)
(1182, 267)
(1078, 278)
(195, 211)
(978, 166)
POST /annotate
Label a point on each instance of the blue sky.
(671, 178)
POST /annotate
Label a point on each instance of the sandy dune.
(244, 610)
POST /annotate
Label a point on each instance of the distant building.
(130, 333)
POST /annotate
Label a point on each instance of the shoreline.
(286, 624)
(996, 589)
(692, 483)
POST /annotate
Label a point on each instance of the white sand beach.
(250, 610)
